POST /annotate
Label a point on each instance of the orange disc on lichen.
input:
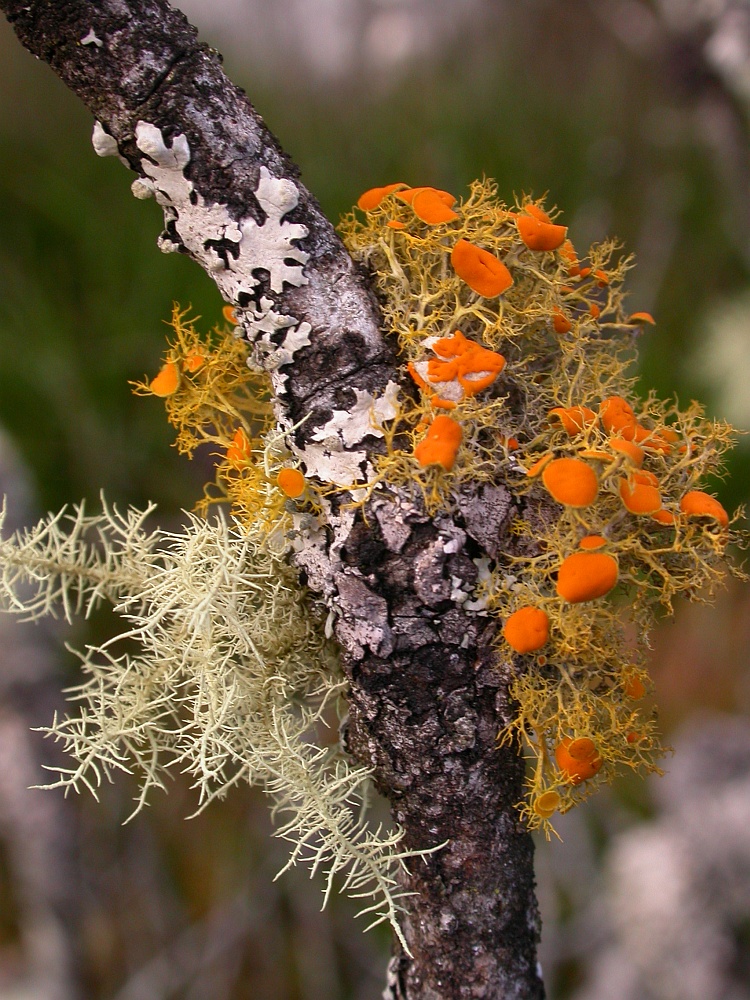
(540, 463)
(527, 629)
(537, 234)
(475, 367)
(571, 482)
(573, 418)
(633, 452)
(560, 322)
(616, 414)
(577, 759)
(193, 362)
(229, 314)
(641, 317)
(432, 207)
(373, 197)
(585, 576)
(166, 382)
(664, 516)
(590, 542)
(239, 449)
(482, 271)
(291, 482)
(440, 445)
(640, 498)
(696, 503)
(544, 805)
(633, 686)
(567, 250)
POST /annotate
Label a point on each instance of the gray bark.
(428, 691)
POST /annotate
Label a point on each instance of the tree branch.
(428, 693)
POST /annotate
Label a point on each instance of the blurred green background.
(634, 117)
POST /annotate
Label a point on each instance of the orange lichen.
(239, 450)
(560, 322)
(616, 414)
(546, 804)
(167, 381)
(633, 687)
(590, 542)
(373, 197)
(633, 452)
(527, 629)
(484, 273)
(540, 463)
(567, 251)
(696, 503)
(537, 233)
(571, 482)
(585, 576)
(577, 759)
(432, 207)
(641, 317)
(639, 498)
(229, 315)
(573, 418)
(193, 362)
(475, 367)
(291, 482)
(664, 516)
(594, 310)
(440, 446)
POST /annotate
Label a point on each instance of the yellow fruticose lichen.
(515, 356)
(611, 522)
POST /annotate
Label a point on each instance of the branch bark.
(428, 691)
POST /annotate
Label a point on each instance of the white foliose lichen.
(199, 225)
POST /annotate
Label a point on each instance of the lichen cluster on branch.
(520, 352)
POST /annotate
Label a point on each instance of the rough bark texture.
(428, 694)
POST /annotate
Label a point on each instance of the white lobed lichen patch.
(91, 38)
(270, 351)
(364, 419)
(244, 246)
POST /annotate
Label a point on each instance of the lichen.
(610, 521)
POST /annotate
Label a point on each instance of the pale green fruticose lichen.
(222, 670)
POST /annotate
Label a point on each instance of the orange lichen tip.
(633, 452)
(571, 482)
(560, 322)
(633, 686)
(440, 446)
(291, 482)
(373, 197)
(544, 805)
(616, 414)
(239, 449)
(475, 367)
(577, 759)
(166, 381)
(639, 498)
(584, 576)
(229, 315)
(696, 503)
(194, 362)
(433, 207)
(527, 629)
(589, 542)
(481, 270)
(537, 233)
(573, 418)
(641, 317)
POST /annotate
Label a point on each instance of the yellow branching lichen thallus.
(517, 351)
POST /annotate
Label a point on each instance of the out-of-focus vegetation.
(622, 112)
